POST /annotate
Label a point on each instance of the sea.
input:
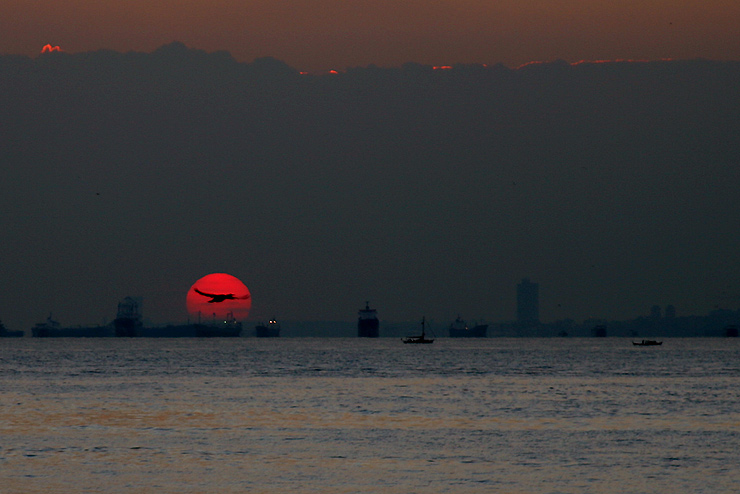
(349, 415)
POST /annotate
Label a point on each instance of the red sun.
(216, 295)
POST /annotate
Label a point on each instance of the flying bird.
(220, 297)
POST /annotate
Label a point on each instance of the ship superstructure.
(128, 319)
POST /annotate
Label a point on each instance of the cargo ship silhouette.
(367, 322)
(459, 329)
(269, 330)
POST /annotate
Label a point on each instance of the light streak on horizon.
(603, 61)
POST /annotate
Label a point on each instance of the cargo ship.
(52, 329)
(4, 333)
(269, 330)
(226, 328)
(367, 323)
(459, 329)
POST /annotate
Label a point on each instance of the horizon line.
(50, 49)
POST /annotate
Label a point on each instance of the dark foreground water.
(348, 416)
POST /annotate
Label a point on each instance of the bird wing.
(205, 294)
(224, 295)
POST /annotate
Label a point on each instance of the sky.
(322, 35)
(138, 171)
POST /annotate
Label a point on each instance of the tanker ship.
(459, 329)
(52, 329)
(228, 327)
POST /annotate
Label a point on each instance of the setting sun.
(216, 295)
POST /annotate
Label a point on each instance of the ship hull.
(12, 334)
(127, 328)
(266, 332)
(368, 328)
(217, 332)
(94, 332)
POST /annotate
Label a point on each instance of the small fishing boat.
(421, 338)
(647, 343)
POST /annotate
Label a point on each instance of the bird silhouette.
(220, 297)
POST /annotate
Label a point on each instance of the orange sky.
(317, 35)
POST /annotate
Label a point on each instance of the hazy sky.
(136, 172)
(319, 35)
(427, 192)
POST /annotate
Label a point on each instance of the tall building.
(670, 312)
(527, 302)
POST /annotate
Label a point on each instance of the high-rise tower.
(527, 302)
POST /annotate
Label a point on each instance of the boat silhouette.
(460, 329)
(647, 343)
(420, 338)
(269, 330)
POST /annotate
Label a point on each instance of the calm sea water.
(347, 416)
